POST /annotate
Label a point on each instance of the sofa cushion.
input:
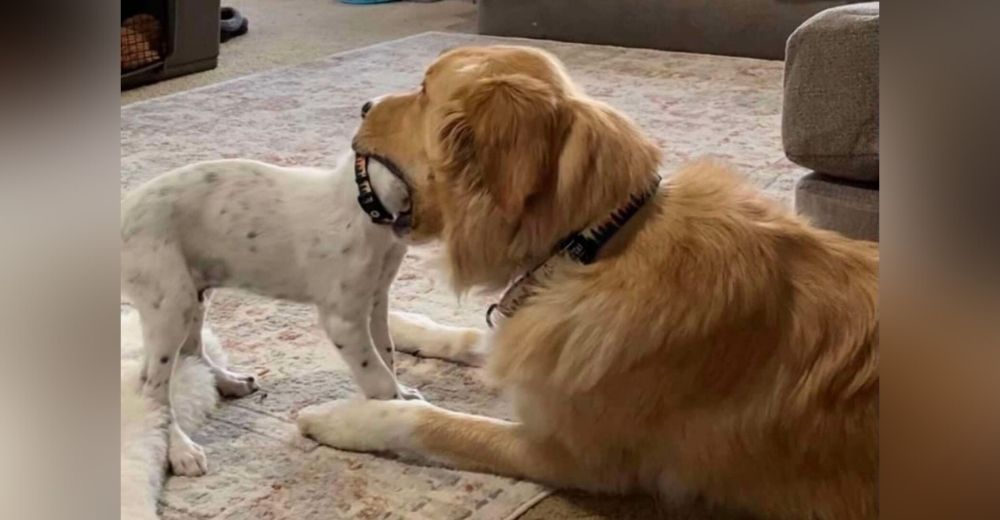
(849, 207)
(830, 115)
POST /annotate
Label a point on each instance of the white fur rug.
(144, 421)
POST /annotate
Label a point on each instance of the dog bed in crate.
(162, 39)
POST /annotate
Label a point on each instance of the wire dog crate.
(162, 39)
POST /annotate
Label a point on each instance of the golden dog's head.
(504, 156)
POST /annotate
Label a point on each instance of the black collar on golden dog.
(581, 247)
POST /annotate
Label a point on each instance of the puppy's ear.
(504, 135)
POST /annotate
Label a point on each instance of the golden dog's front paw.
(419, 335)
(361, 424)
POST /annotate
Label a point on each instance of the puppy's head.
(504, 156)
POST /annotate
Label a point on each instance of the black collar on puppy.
(367, 198)
(581, 247)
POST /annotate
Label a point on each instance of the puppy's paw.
(233, 385)
(361, 425)
(409, 394)
(187, 458)
(378, 384)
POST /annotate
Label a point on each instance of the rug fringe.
(523, 508)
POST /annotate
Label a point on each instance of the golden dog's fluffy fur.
(720, 346)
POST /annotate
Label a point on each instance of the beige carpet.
(692, 105)
(288, 32)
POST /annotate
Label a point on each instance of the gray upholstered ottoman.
(830, 117)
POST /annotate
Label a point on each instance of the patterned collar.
(581, 247)
(367, 198)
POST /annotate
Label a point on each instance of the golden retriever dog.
(718, 347)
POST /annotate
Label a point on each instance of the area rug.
(692, 105)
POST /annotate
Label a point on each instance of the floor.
(289, 32)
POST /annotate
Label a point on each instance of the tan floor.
(288, 32)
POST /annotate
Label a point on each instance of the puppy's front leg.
(383, 340)
(380, 306)
(350, 334)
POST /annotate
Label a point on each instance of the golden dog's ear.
(504, 135)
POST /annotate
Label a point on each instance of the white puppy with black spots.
(292, 233)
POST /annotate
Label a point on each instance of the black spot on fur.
(364, 364)
(338, 346)
(222, 211)
(388, 350)
(201, 294)
(252, 235)
(165, 359)
(343, 286)
(211, 177)
(253, 249)
(345, 250)
(158, 302)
